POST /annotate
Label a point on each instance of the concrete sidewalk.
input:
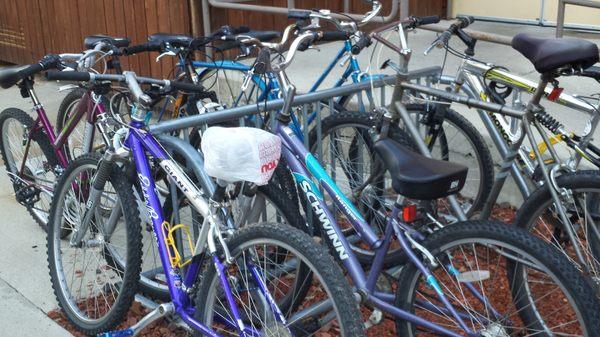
(25, 292)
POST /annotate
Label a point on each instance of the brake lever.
(169, 53)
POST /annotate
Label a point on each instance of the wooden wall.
(30, 29)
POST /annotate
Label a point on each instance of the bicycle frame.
(470, 79)
(140, 143)
(304, 166)
(90, 105)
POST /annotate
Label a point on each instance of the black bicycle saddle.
(550, 54)
(418, 177)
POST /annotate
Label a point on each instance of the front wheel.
(94, 282)
(253, 248)
(501, 281)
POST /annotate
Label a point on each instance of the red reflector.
(409, 213)
(556, 91)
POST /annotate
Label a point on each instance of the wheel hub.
(494, 330)
(275, 329)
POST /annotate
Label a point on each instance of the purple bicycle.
(33, 152)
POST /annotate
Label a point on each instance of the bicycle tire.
(533, 249)
(128, 286)
(539, 202)
(307, 250)
(38, 137)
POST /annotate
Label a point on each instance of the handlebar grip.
(187, 87)
(31, 70)
(362, 43)
(146, 47)
(465, 21)
(240, 30)
(427, 20)
(334, 36)
(75, 76)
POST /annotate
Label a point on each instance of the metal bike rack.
(560, 17)
(479, 35)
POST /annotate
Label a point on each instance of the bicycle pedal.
(117, 333)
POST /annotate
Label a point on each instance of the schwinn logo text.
(145, 182)
(333, 237)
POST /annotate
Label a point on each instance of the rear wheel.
(529, 288)
(34, 183)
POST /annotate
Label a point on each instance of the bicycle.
(562, 205)
(417, 304)
(33, 153)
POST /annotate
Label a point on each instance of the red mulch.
(161, 328)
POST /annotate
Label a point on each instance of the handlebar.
(141, 48)
(460, 23)
(128, 77)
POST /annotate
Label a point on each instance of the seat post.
(539, 91)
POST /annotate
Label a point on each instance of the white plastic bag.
(240, 154)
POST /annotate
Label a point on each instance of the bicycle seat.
(418, 177)
(9, 76)
(91, 41)
(175, 40)
(549, 54)
(261, 35)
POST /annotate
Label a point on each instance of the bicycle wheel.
(267, 203)
(252, 247)
(74, 146)
(90, 281)
(539, 215)
(502, 281)
(348, 157)
(34, 181)
(452, 137)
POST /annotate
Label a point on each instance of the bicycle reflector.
(409, 213)
(555, 93)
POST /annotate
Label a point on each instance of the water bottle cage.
(175, 256)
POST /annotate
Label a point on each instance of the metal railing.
(397, 7)
(560, 17)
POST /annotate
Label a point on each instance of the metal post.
(560, 18)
